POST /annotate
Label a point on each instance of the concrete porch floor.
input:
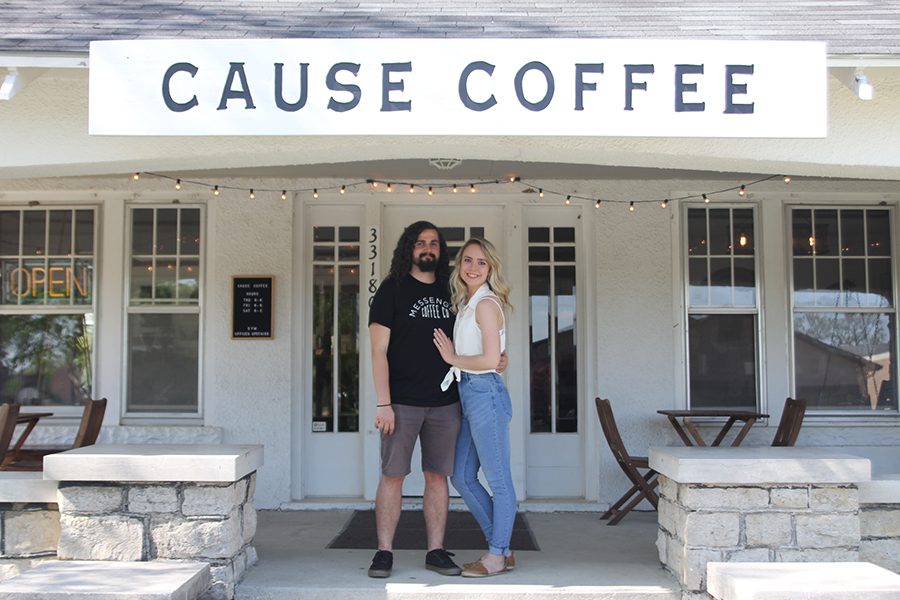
(580, 557)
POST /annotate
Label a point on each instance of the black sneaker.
(382, 564)
(439, 561)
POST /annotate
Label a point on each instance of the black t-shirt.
(412, 310)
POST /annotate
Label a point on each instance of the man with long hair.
(411, 302)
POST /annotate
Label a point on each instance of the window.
(335, 329)
(163, 330)
(47, 305)
(551, 329)
(844, 319)
(722, 308)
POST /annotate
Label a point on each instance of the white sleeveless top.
(467, 334)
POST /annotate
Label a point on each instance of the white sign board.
(561, 87)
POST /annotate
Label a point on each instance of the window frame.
(71, 308)
(149, 308)
(825, 414)
(757, 309)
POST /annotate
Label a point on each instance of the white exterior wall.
(635, 287)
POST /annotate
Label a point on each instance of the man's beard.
(426, 262)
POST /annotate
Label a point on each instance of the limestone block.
(694, 569)
(241, 488)
(222, 586)
(884, 553)
(90, 499)
(252, 557)
(827, 531)
(817, 555)
(724, 498)
(671, 517)
(750, 555)
(251, 487)
(31, 532)
(712, 529)
(662, 539)
(768, 529)
(686, 595)
(876, 523)
(208, 500)
(178, 538)
(834, 499)
(668, 488)
(248, 527)
(111, 537)
(789, 498)
(152, 499)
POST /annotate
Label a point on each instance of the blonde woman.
(479, 296)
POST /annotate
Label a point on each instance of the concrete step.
(101, 580)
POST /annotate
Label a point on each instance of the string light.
(473, 187)
(742, 240)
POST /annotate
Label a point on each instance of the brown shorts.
(437, 429)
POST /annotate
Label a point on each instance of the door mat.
(463, 532)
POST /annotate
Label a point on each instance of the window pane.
(348, 346)
(538, 235)
(59, 281)
(60, 232)
(853, 282)
(744, 282)
(720, 281)
(46, 360)
(323, 234)
(348, 234)
(142, 231)
(84, 232)
(33, 232)
(34, 281)
(539, 254)
(881, 282)
(141, 279)
(188, 281)
(802, 232)
(166, 231)
(804, 291)
(348, 253)
(163, 354)
(722, 352)
(190, 231)
(165, 279)
(539, 352)
(9, 232)
(827, 282)
(826, 232)
(564, 253)
(323, 354)
(13, 280)
(720, 231)
(323, 253)
(845, 361)
(699, 281)
(566, 351)
(879, 232)
(743, 234)
(476, 232)
(454, 234)
(697, 231)
(852, 235)
(83, 281)
(563, 235)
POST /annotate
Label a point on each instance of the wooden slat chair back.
(643, 484)
(91, 421)
(8, 415)
(790, 423)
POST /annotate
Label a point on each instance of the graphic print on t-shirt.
(430, 308)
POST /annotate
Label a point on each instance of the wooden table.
(29, 420)
(686, 425)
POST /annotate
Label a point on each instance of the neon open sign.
(59, 282)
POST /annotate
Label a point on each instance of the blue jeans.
(484, 442)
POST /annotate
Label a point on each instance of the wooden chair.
(643, 484)
(32, 459)
(791, 420)
(8, 415)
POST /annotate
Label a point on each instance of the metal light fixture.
(864, 89)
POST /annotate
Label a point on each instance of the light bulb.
(252, 195)
(343, 189)
(472, 188)
(568, 200)
(541, 192)
(631, 206)
(742, 190)
(664, 203)
(742, 240)
(315, 193)
(215, 190)
(597, 203)
(284, 194)
(136, 176)
(706, 198)
(787, 178)
(430, 191)
(455, 189)
(389, 188)
(177, 184)
(412, 189)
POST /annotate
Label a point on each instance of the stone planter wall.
(879, 520)
(209, 522)
(29, 534)
(705, 523)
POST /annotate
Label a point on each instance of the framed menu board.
(251, 307)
